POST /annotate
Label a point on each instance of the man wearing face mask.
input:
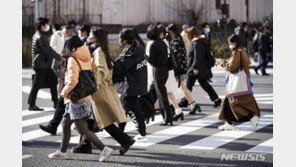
(242, 32)
(206, 32)
(42, 57)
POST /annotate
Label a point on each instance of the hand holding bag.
(238, 83)
(86, 85)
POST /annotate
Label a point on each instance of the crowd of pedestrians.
(261, 39)
(154, 71)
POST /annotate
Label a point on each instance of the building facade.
(136, 12)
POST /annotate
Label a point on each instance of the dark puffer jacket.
(196, 60)
(130, 71)
(42, 53)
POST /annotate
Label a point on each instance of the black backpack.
(209, 57)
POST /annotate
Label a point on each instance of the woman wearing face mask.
(239, 108)
(107, 106)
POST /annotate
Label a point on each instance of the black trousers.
(230, 118)
(58, 114)
(43, 76)
(121, 137)
(204, 85)
(159, 91)
(131, 107)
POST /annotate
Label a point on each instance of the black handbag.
(146, 106)
(172, 63)
(86, 85)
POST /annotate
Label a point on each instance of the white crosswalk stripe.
(27, 112)
(266, 147)
(41, 93)
(260, 98)
(210, 142)
(221, 138)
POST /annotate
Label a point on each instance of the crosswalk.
(157, 136)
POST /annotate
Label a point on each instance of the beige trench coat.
(106, 104)
(240, 105)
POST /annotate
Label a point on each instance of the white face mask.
(231, 46)
(47, 28)
(208, 30)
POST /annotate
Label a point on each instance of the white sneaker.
(105, 153)
(254, 121)
(226, 126)
(178, 111)
(140, 138)
(58, 154)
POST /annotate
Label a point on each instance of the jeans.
(263, 62)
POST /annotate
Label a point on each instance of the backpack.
(209, 57)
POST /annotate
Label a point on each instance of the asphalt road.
(196, 141)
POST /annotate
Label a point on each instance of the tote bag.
(238, 83)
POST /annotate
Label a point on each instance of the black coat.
(264, 43)
(158, 53)
(207, 37)
(42, 52)
(243, 35)
(130, 71)
(196, 60)
(178, 50)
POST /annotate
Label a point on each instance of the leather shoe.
(35, 108)
(48, 129)
(125, 148)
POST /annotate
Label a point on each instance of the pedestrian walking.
(264, 47)
(206, 31)
(177, 50)
(197, 68)
(159, 61)
(130, 78)
(57, 44)
(185, 37)
(106, 103)
(53, 124)
(77, 58)
(42, 56)
(171, 84)
(242, 106)
(242, 32)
